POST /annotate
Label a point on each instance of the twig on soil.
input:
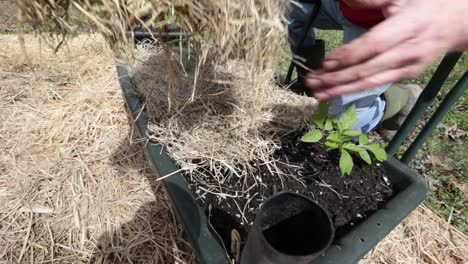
(244, 219)
(247, 203)
(324, 184)
(223, 195)
(212, 228)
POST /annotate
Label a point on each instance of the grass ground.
(443, 160)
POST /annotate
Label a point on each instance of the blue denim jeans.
(369, 105)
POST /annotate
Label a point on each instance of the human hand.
(415, 33)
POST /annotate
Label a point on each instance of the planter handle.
(289, 228)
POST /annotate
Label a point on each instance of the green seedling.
(341, 136)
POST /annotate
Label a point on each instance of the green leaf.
(339, 124)
(345, 138)
(365, 156)
(331, 144)
(346, 163)
(348, 118)
(328, 125)
(334, 119)
(320, 115)
(378, 152)
(352, 132)
(363, 139)
(312, 136)
(352, 147)
(334, 137)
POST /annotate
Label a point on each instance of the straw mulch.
(230, 122)
(423, 237)
(74, 184)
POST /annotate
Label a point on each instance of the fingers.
(376, 80)
(398, 48)
(404, 54)
(379, 39)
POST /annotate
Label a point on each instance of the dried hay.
(74, 187)
(222, 28)
(230, 123)
(71, 179)
(423, 237)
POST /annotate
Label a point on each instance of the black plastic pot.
(289, 228)
(410, 190)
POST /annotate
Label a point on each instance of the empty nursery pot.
(289, 228)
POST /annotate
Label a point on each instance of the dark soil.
(309, 169)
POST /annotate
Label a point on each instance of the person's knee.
(369, 110)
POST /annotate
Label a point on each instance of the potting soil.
(307, 168)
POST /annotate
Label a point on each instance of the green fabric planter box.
(410, 190)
